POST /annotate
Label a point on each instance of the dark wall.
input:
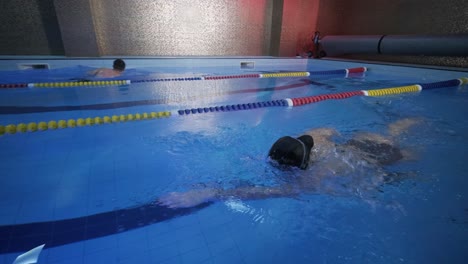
(298, 26)
(342, 17)
(29, 27)
(77, 28)
(395, 17)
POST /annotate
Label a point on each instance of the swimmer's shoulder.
(107, 73)
(323, 132)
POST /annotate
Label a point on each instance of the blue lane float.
(169, 79)
(443, 84)
(234, 107)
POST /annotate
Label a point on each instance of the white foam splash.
(239, 207)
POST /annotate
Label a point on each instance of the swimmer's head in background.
(119, 65)
(292, 151)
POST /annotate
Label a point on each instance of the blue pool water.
(88, 192)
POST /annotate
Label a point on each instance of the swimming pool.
(88, 191)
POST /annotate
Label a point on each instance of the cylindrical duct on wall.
(429, 45)
(350, 44)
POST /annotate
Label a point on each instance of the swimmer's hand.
(188, 199)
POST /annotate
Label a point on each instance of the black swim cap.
(119, 65)
(292, 151)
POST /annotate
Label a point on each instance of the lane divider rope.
(290, 102)
(317, 98)
(74, 84)
(80, 122)
(233, 107)
(217, 77)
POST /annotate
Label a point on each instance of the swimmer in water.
(117, 70)
(314, 152)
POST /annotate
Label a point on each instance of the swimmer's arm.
(257, 192)
(198, 196)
